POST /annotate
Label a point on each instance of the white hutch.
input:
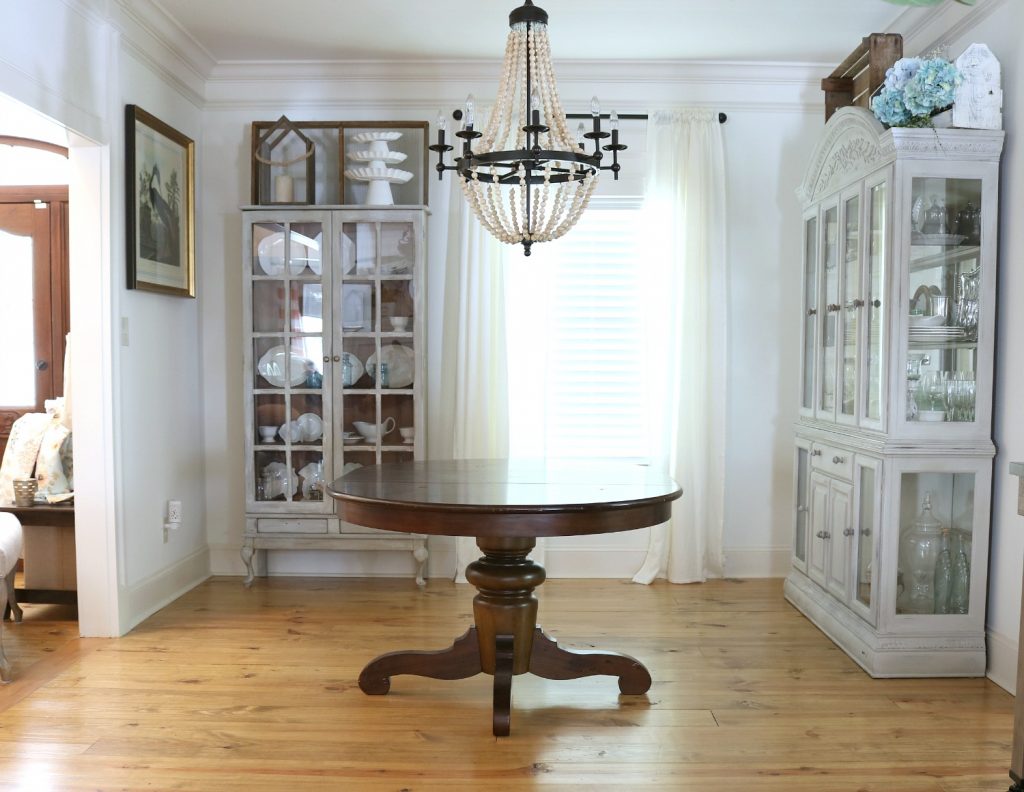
(333, 368)
(894, 441)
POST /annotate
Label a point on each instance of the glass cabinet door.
(803, 473)
(867, 480)
(851, 303)
(289, 319)
(944, 288)
(376, 332)
(830, 321)
(934, 559)
(810, 314)
(871, 412)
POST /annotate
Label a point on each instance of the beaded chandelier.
(526, 178)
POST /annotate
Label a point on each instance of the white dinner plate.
(280, 366)
(305, 250)
(311, 428)
(401, 365)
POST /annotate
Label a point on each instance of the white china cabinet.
(893, 445)
(333, 366)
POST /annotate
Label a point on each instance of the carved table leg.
(459, 661)
(550, 661)
(502, 712)
(248, 551)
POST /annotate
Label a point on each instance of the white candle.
(284, 189)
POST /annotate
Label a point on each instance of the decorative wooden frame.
(370, 125)
(259, 131)
(856, 79)
(263, 143)
(167, 264)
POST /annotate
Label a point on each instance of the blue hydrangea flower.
(900, 72)
(931, 88)
(888, 107)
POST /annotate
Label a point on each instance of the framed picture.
(401, 145)
(160, 201)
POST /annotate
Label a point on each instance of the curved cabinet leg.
(248, 551)
(12, 600)
(459, 661)
(550, 661)
(421, 554)
(504, 655)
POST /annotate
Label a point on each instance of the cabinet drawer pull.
(848, 532)
(838, 460)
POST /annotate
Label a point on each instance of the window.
(576, 340)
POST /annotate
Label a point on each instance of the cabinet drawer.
(832, 460)
(291, 526)
(351, 528)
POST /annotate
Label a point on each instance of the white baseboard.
(1002, 661)
(143, 599)
(757, 562)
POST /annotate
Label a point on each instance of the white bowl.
(399, 323)
(931, 416)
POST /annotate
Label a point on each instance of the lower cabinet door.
(817, 555)
(840, 538)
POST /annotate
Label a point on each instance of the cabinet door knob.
(820, 534)
(812, 311)
(816, 452)
(876, 303)
(858, 303)
(826, 535)
(848, 532)
(838, 460)
(336, 358)
(327, 358)
(42, 365)
(832, 307)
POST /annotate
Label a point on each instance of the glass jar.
(919, 552)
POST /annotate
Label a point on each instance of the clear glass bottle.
(384, 377)
(919, 551)
(960, 589)
(943, 575)
(346, 371)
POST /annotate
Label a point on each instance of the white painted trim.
(151, 594)
(1002, 660)
(924, 30)
(757, 562)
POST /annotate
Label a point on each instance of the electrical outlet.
(174, 512)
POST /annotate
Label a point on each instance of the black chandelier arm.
(534, 157)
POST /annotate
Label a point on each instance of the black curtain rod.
(722, 117)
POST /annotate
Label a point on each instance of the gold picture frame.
(160, 204)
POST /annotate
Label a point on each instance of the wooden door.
(819, 528)
(32, 321)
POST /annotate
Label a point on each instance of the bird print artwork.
(159, 216)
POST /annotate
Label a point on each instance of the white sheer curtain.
(474, 386)
(684, 207)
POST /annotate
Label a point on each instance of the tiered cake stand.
(378, 173)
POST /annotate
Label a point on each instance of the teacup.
(408, 433)
(371, 431)
(290, 432)
(267, 433)
(399, 323)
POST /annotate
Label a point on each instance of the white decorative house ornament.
(378, 172)
(979, 98)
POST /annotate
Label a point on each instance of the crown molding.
(927, 29)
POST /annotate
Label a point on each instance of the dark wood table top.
(505, 497)
(58, 514)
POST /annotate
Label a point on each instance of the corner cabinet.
(893, 456)
(333, 368)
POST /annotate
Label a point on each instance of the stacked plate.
(936, 334)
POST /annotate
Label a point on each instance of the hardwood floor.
(232, 689)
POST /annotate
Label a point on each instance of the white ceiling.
(817, 31)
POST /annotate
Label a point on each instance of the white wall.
(774, 116)
(999, 23)
(137, 409)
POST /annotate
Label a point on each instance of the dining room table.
(506, 505)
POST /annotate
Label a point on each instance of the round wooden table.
(506, 505)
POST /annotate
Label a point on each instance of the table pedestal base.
(506, 640)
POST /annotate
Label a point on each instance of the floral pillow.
(21, 453)
(49, 467)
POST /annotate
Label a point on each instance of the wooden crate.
(856, 79)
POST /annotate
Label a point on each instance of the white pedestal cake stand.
(378, 173)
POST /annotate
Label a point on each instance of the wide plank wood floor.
(235, 689)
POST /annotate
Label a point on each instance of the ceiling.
(815, 31)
